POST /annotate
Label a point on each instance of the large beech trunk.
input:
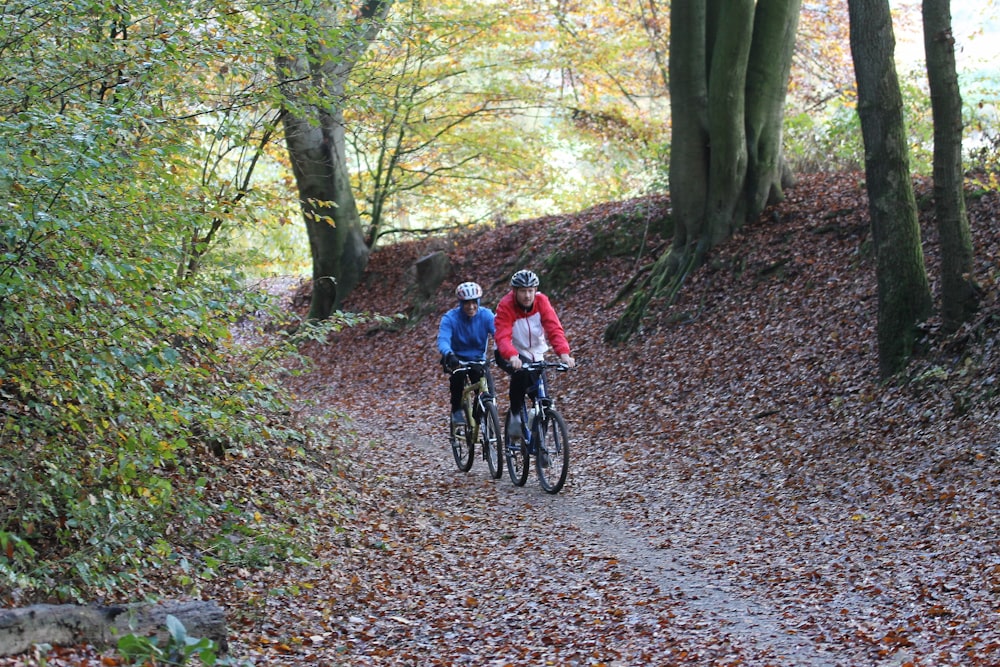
(313, 84)
(729, 68)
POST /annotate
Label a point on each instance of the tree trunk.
(729, 67)
(336, 241)
(959, 292)
(727, 163)
(904, 298)
(313, 86)
(71, 625)
(775, 27)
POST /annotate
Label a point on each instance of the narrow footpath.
(446, 568)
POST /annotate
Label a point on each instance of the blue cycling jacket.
(466, 336)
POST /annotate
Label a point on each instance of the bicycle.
(482, 421)
(545, 437)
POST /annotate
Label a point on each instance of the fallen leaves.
(765, 394)
(743, 488)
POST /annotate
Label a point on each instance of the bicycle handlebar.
(466, 365)
(539, 365)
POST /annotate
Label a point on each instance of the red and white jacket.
(529, 333)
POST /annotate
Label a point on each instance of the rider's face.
(525, 296)
(470, 307)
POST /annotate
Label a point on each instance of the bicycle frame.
(478, 392)
(482, 423)
(539, 420)
(540, 399)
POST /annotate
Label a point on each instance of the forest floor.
(744, 490)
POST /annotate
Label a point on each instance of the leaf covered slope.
(743, 489)
(742, 440)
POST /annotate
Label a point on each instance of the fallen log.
(101, 626)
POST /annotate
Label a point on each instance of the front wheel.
(552, 453)
(461, 448)
(492, 439)
(516, 452)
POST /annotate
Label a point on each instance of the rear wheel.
(492, 439)
(516, 452)
(552, 453)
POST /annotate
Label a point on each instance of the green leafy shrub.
(830, 141)
(120, 383)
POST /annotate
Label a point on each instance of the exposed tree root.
(664, 283)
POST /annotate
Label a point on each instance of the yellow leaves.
(315, 217)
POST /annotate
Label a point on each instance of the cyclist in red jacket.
(526, 328)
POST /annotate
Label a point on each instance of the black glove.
(451, 361)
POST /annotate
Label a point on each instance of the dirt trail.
(545, 578)
(744, 490)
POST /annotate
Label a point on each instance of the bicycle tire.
(492, 439)
(552, 453)
(461, 449)
(516, 452)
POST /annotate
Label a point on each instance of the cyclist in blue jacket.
(463, 335)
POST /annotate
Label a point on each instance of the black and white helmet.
(469, 292)
(524, 278)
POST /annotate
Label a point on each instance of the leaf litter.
(744, 490)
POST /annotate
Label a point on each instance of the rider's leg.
(456, 384)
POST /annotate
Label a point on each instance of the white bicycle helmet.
(524, 278)
(469, 292)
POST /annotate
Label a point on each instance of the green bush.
(119, 381)
(830, 141)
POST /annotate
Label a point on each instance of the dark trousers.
(521, 382)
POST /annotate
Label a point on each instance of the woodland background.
(158, 401)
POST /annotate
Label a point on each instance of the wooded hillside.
(743, 489)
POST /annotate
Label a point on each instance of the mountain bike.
(543, 434)
(482, 421)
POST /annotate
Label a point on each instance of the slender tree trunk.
(336, 242)
(904, 298)
(313, 86)
(959, 292)
(729, 65)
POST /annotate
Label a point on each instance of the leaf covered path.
(460, 569)
(743, 488)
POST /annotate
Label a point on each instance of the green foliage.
(462, 116)
(178, 650)
(828, 143)
(981, 116)
(830, 140)
(120, 382)
(919, 121)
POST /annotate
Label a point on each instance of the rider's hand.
(451, 361)
(515, 362)
(568, 360)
